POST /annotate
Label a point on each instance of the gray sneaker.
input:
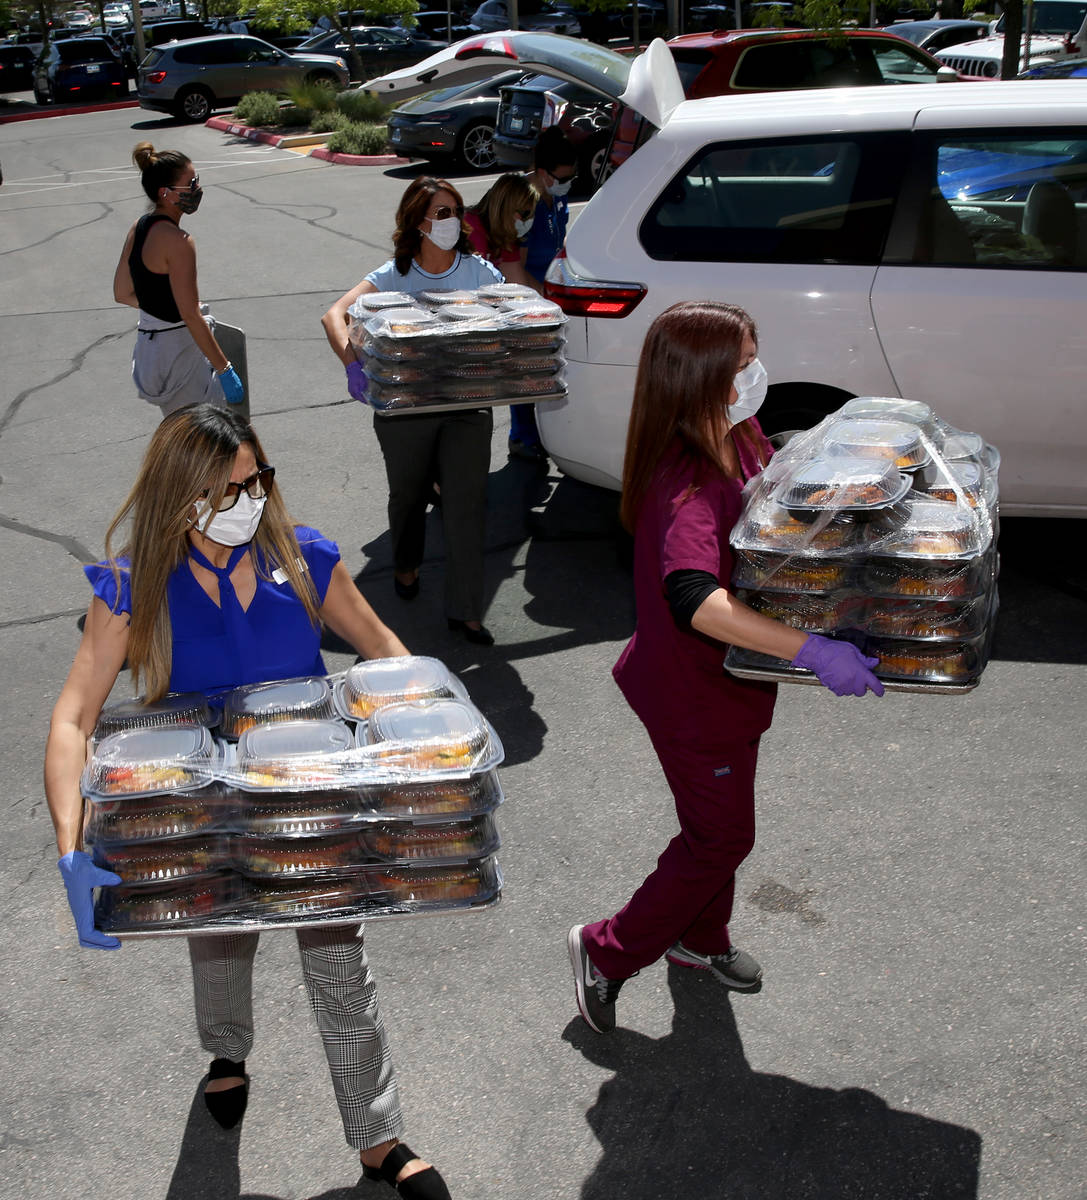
(736, 969)
(595, 995)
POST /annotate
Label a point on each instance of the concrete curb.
(286, 140)
(360, 160)
(40, 113)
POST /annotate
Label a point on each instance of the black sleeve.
(685, 591)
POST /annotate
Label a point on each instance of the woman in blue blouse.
(216, 587)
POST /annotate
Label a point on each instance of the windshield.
(83, 50)
(1053, 16)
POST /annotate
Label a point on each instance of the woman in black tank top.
(177, 360)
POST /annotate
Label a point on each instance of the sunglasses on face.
(444, 212)
(256, 487)
(524, 213)
(192, 186)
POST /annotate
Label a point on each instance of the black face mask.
(189, 202)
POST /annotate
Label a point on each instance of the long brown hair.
(689, 359)
(505, 200)
(411, 213)
(191, 452)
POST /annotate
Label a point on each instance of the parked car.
(435, 25)
(493, 16)
(835, 218)
(1058, 30)
(938, 33)
(1061, 68)
(16, 69)
(380, 49)
(79, 69)
(78, 18)
(455, 122)
(192, 78)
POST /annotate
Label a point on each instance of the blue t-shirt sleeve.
(387, 278)
(321, 555)
(100, 574)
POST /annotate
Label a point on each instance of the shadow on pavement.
(684, 1115)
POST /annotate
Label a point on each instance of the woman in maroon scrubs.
(692, 444)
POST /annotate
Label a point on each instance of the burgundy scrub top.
(674, 678)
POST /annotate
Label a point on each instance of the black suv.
(79, 69)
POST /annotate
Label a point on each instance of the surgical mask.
(189, 202)
(522, 228)
(750, 385)
(560, 188)
(234, 527)
(445, 234)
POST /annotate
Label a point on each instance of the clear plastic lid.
(394, 349)
(307, 698)
(937, 580)
(164, 862)
(538, 313)
(442, 296)
(303, 814)
(294, 755)
(933, 529)
(433, 841)
(546, 363)
(434, 735)
(784, 572)
(960, 445)
(507, 291)
(398, 373)
(767, 525)
(300, 855)
(533, 385)
(410, 888)
(442, 799)
(471, 389)
(925, 620)
(472, 343)
(486, 369)
(522, 338)
(124, 909)
(119, 819)
(374, 302)
(468, 312)
(958, 481)
(892, 407)
(845, 482)
(935, 662)
(370, 685)
(401, 322)
(863, 437)
(814, 612)
(287, 898)
(187, 708)
(149, 762)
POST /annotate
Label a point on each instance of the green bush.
(258, 108)
(312, 96)
(361, 106)
(294, 117)
(355, 138)
(328, 122)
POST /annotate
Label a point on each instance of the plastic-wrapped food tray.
(875, 437)
(295, 756)
(925, 620)
(448, 394)
(161, 911)
(372, 684)
(179, 708)
(747, 664)
(307, 698)
(120, 820)
(915, 412)
(165, 862)
(767, 525)
(534, 313)
(959, 579)
(365, 306)
(776, 571)
(813, 612)
(473, 796)
(298, 814)
(150, 762)
(432, 841)
(496, 292)
(452, 296)
(935, 531)
(276, 857)
(857, 485)
(434, 736)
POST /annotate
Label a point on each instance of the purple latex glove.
(357, 383)
(840, 666)
(80, 877)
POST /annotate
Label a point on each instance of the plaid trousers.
(343, 996)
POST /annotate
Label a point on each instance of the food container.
(533, 385)
(299, 815)
(490, 368)
(778, 571)
(433, 736)
(181, 708)
(934, 662)
(419, 351)
(164, 862)
(933, 529)
(469, 312)
(324, 855)
(399, 322)
(535, 313)
(767, 525)
(295, 756)
(862, 437)
(398, 373)
(433, 841)
(423, 886)
(365, 306)
(958, 482)
(454, 296)
(121, 820)
(150, 762)
(124, 909)
(302, 900)
(370, 685)
(473, 796)
(521, 338)
(507, 291)
(534, 362)
(891, 408)
(914, 578)
(813, 612)
(859, 485)
(925, 620)
(307, 698)
(749, 664)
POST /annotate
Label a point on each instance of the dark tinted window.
(690, 64)
(84, 50)
(824, 200)
(218, 51)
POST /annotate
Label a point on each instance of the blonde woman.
(177, 360)
(215, 587)
(498, 224)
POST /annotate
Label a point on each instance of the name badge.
(280, 576)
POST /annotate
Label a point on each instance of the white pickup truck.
(1058, 29)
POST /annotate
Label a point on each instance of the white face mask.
(234, 527)
(560, 189)
(445, 233)
(750, 385)
(522, 228)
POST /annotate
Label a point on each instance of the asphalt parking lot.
(915, 894)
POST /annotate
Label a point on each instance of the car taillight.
(553, 110)
(580, 297)
(154, 76)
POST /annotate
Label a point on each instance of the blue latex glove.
(840, 666)
(357, 383)
(232, 385)
(80, 875)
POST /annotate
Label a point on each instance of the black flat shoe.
(478, 637)
(227, 1107)
(423, 1185)
(406, 591)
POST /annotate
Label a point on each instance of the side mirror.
(947, 75)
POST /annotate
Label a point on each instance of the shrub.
(355, 138)
(328, 122)
(258, 108)
(312, 96)
(294, 117)
(361, 106)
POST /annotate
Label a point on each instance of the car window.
(803, 200)
(216, 52)
(1018, 200)
(899, 64)
(83, 50)
(1054, 16)
(383, 37)
(801, 64)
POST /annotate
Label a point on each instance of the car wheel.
(323, 79)
(791, 407)
(194, 104)
(590, 166)
(475, 147)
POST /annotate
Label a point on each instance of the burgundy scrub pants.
(688, 897)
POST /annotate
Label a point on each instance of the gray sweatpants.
(169, 369)
(343, 996)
